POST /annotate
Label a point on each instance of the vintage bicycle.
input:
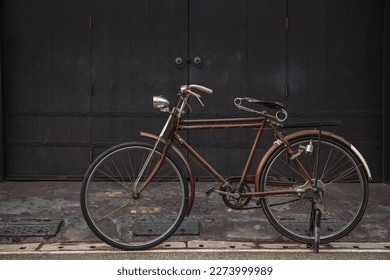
(135, 195)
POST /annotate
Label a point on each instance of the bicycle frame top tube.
(260, 123)
(234, 123)
(226, 123)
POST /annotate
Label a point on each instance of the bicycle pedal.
(210, 191)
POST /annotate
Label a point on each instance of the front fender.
(184, 161)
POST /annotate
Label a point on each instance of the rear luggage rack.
(311, 124)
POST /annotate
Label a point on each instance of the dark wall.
(2, 175)
(386, 92)
(78, 75)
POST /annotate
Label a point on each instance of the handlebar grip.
(202, 88)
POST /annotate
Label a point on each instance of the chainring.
(232, 202)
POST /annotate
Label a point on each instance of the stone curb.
(192, 245)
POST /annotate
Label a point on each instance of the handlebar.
(186, 91)
(198, 87)
(201, 88)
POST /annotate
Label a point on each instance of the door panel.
(134, 46)
(335, 69)
(242, 46)
(46, 97)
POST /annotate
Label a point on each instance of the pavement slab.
(218, 225)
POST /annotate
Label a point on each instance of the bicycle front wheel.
(341, 183)
(121, 217)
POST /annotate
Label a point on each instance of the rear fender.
(298, 134)
(186, 164)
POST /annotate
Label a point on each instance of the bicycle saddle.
(270, 104)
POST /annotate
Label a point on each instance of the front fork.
(137, 190)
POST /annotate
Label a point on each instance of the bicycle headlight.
(160, 102)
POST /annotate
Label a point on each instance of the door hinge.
(286, 23)
(90, 154)
(90, 23)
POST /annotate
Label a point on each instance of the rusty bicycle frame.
(236, 123)
(259, 123)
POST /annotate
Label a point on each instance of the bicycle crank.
(230, 194)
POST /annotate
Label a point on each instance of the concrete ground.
(219, 226)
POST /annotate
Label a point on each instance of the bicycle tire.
(341, 179)
(122, 219)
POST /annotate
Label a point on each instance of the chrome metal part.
(161, 103)
(309, 147)
(281, 115)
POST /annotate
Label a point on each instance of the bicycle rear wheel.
(341, 181)
(122, 218)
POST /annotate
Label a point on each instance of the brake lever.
(200, 101)
(198, 96)
(189, 107)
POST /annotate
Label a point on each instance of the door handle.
(198, 61)
(179, 61)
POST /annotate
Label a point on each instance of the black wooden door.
(222, 43)
(46, 99)
(79, 75)
(335, 70)
(134, 45)
(238, 48)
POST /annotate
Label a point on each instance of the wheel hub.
(320, 187)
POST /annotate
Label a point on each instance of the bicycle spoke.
(160, 207)
(112, 212)
(335, 166)
(111, 177)
(283, 172)
(347, 172)
(118, 172)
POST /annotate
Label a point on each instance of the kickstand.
(317, 228)
(317, 214)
